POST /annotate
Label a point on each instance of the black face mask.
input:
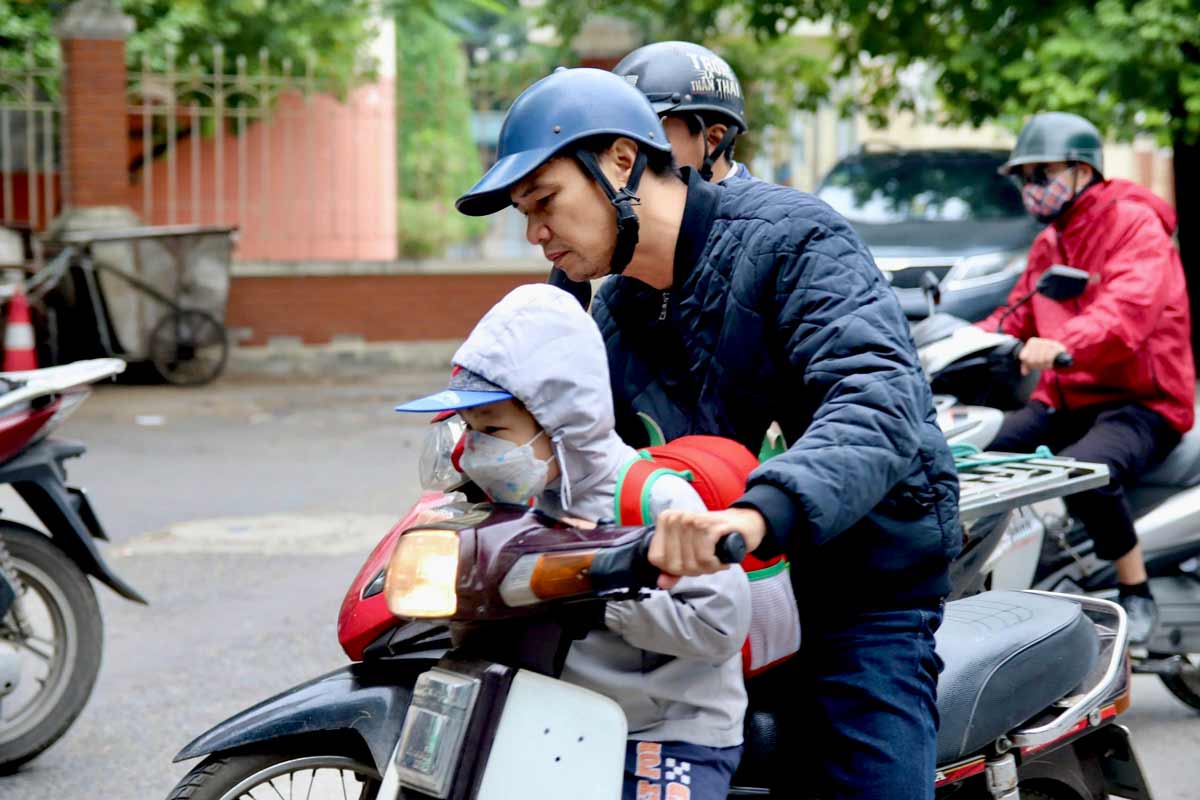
(623, 201)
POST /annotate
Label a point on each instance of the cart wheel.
(189, 347)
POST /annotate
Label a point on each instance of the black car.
(947, 212)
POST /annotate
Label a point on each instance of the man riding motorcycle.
(730, 308)
(1129, 396)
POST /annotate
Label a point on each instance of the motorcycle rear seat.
(1008, 655)
(1181, 468)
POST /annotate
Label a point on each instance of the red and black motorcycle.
(458, 630)
(51, 633)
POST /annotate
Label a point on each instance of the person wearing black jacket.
(732, 307)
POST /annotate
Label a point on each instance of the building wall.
(374, 308)
(316, 180)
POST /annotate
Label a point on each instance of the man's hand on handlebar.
(1042, 354)
(685, 542)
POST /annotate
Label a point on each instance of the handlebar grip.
(731, 548)
(1061, 361)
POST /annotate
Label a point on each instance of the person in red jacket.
(1130, 394)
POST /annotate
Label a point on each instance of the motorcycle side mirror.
(1062, 282)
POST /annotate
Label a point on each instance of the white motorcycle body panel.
(55, 380)
(975, 425)
(1014, 563)
(1175, 522)
(555, 740)
(964, 342)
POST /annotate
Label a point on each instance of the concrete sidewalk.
(345, 357)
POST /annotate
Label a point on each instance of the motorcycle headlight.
(984, 266)
(422, 575)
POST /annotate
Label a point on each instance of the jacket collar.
(1084, 202)
(699, 213)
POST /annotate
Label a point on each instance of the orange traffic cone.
(19, 346)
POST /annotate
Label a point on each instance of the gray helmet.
(1055, 136)
(682, 78)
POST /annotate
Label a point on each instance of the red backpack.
(717, 469)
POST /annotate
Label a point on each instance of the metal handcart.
(169, 296)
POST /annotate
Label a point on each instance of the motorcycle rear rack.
(994, 489)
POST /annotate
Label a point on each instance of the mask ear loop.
(556, 442)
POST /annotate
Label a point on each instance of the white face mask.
(506, 472)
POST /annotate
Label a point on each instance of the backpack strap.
(635, 481)
(773, 444)
(654, 431)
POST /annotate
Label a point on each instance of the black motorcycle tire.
(34, 553)
(216, 777)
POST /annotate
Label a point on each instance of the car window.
(884, 189)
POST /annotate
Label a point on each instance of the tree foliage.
(779, 74)
(1132, 66)
(436, 156)
(329, 34)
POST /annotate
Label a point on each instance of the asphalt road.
(243, 511)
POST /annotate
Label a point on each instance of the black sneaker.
(1142, 613)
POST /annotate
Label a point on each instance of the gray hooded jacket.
(672, 661)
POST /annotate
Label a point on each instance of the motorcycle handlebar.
(1061, 361)
(629, 565)
(731, 548)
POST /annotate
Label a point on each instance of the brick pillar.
(92, 35)
(1144, 168)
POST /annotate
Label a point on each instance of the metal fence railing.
(30, 150)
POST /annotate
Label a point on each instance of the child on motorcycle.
(532, 384)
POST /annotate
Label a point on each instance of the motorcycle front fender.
(368, 699)
(37, 476)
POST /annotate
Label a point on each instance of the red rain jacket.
(1130, 331)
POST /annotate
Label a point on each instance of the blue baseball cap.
(465, 390)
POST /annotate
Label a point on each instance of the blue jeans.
(863, 718)
(678, 771)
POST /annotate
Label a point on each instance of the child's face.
(512, 422)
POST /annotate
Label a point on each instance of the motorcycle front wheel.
(55, 627)
(260, 775)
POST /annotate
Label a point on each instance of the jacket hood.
(1117, 190)
(539, 345)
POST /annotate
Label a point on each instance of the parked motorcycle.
(459, 697)
(1044, 548)
(51, 633)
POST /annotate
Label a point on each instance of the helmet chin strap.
(623, 201)
(711, 156)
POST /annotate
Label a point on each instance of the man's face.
(687, 144)
(568, 216)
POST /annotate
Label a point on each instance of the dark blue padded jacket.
(778, 313)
